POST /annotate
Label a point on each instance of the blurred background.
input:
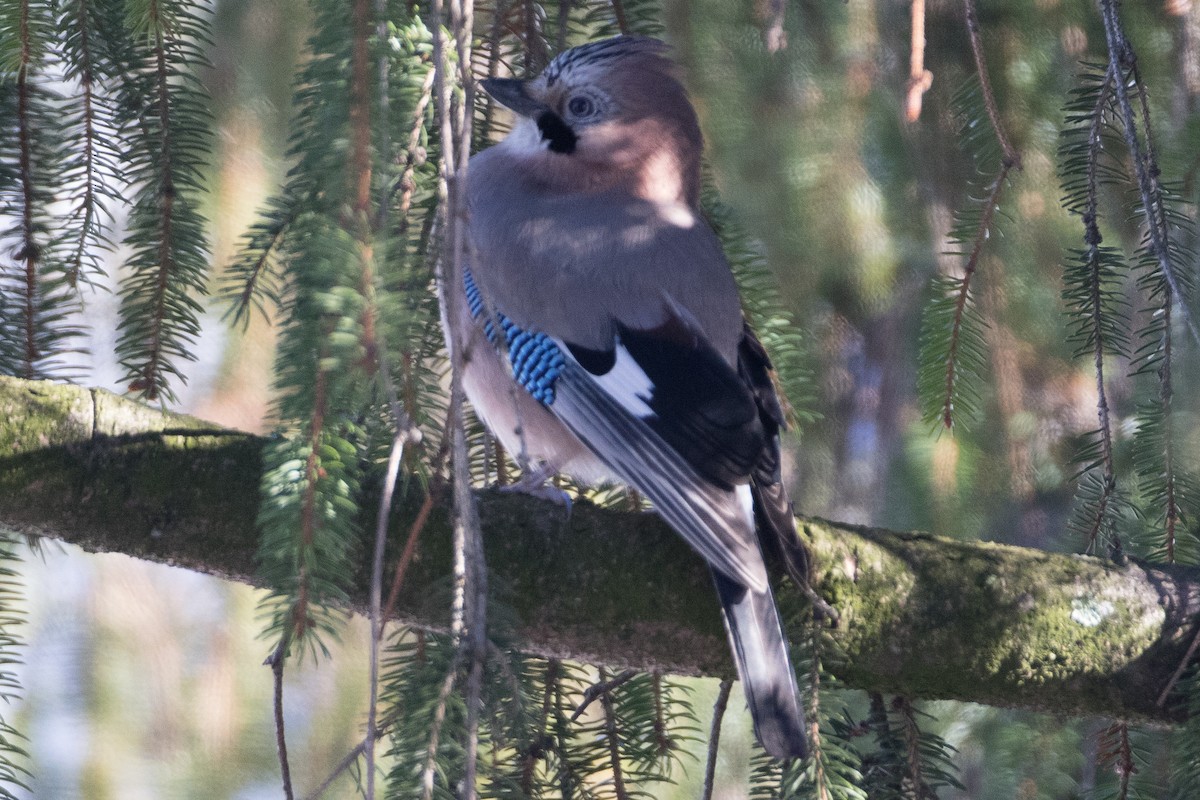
(146, 682)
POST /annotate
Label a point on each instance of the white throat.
(525, 138)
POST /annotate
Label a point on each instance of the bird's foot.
(535, 483)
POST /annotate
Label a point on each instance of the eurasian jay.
(602, 335)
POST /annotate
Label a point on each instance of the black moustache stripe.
(557, 132)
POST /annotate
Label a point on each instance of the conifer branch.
(1116, 753)
(1123, 59)
(1009, 155)
(89, 203)
(1097, 332)
(299, 616)
(612, 736)
(962, 295)
(29, 252)
(912, 740)
(151, 372)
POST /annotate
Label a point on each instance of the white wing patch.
(627, 384)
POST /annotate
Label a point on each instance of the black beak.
(511, 93)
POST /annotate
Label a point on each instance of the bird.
(601, 332)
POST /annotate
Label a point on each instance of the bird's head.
(605, 114)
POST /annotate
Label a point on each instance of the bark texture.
(924, 616)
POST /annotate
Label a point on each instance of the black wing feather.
(773, 509)
(702, 408)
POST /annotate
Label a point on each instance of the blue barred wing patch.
(535, 359)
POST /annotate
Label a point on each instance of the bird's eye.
(580, 106)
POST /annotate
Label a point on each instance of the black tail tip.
(781, 737)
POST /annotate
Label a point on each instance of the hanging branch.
(1155, 461)
(1095, 287)
(276, 661)
(912, 740)
(1121, 57)
(539, 742)
(816, 743)
(1116, 752)
(414, 156)
(160, 313)
(81, 66)
(952, 345)
(429, 768)
(564, 18)
(1093, 293)
(961, 300)
(469, 612)
(360, 176)
(1010, 157)
(29, 251)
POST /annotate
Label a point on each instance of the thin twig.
(414, 157)
(1010, 158)
(1179, 670)
(564, 17)
(714, 738)
(602, 688)
(275, 662)
(1010, 155)
(410, 546)
(360, 175)
(1120, 756)
(377, 620)
(618, 8)
(30, 251)
(435, 727)
(469, 610)
(385, 722)
(919, 78)
(341, 767)
(661, 739)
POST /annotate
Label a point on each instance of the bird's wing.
(665, 413)
(772, 506)
(670, 418)
(623, 318)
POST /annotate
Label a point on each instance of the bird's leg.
(535, 482)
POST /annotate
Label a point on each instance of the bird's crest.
(602, 54)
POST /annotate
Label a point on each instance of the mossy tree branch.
(920, 615)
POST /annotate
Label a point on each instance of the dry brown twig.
(919, 78)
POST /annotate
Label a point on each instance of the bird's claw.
(534, 483)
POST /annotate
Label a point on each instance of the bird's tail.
(764, 667)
